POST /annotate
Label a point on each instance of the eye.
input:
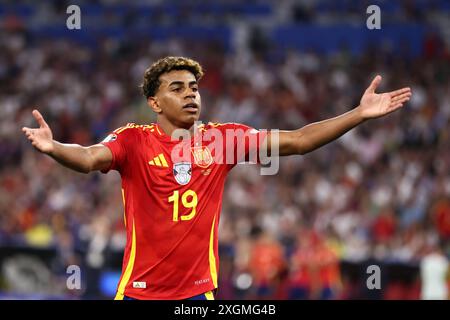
(177, 89)
(195, 89)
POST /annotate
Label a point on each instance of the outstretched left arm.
(315, 135)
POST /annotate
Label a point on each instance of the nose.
(190, 94)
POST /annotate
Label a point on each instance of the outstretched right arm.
(73, 156)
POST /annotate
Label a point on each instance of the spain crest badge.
(202, 156)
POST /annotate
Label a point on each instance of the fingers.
(401, 97)
(395, 107)
(374, 85)
(398, 98)
(40, 119)
(34, 135)
(400, 92)
(28, 132)
(397, 103)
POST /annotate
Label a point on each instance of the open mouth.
(193, 107)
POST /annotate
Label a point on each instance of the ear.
(154, 104)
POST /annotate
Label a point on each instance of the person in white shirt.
(434, 269)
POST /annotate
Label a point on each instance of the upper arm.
(114, 151)
(101, 157)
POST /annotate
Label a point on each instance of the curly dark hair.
(151, 76)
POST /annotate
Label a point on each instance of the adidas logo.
(159, 161)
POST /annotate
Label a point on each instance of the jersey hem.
(180, 297)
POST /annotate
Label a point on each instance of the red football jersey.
(172, 208)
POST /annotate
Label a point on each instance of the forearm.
(317, 134)
(73, 156)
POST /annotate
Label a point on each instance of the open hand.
(41, 138)
(374, 105)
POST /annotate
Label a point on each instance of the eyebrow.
(181, 83)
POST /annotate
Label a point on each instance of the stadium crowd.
(380, 192)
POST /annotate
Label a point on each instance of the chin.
(191, 119)
(188, 122)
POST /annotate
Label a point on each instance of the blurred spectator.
(440, 213)
(266, 265)
(435, 273)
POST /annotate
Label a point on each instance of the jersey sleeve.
(120, 141)
(246, 143)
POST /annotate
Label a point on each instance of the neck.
(169, 127)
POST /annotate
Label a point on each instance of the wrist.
(51, 150)
(360, 114)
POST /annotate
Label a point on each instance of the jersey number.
(188, 199)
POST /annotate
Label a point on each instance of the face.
(177, 99)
